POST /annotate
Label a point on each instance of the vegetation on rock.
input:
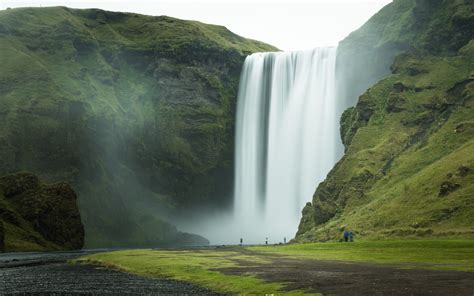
(37, 216)
(407, 170)
(136, 112)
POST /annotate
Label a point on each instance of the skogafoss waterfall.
(287, 137)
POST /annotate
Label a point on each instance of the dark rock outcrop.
(38, 216)
(447, 187)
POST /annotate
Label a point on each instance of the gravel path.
(51, 275)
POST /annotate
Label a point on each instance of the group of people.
(348, 236)
(266, 240)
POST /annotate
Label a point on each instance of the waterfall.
(287, 139)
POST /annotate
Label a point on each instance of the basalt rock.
(38, 216)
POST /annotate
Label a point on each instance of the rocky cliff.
(38, 216)
(409, 140)
(136, 112)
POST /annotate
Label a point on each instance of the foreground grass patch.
(196, 266)
(263, 269)
(432, 254)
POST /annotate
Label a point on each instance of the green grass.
(432, 254)
(206, 267)
(197, 267)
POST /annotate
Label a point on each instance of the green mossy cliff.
(408, 167)
(36, 216)
(432, 27)
(136, 112)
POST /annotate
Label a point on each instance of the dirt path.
(49, 274)
(342, 278)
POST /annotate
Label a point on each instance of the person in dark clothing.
(346, 236)
(241, 241)
(351, 236)
(266, 240)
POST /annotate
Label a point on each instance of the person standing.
(346, 236)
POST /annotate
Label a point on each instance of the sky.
(286, 24)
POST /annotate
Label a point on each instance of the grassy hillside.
(409, 161)
(136, 112)
(433, 27)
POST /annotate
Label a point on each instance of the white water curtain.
(287, 137)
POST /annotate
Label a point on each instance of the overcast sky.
(286, 24)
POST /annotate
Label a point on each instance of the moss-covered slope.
(434, 27)
(37, 216)
(136, 112)
(409, 160)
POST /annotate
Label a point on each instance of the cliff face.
(409, 140)
(429, 27)
(37, 216)
(136, 112)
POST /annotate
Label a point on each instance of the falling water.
(287, 139)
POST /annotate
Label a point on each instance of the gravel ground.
(49, 274)
(346, 278)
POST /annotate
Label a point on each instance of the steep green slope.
(136, 112)
(37, 216)
(439, 27)
(407, 170)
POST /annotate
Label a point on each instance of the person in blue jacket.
(346, 236)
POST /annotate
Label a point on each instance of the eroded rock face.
(42, 216)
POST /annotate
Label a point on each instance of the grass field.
(211, 268)
(196, 266)
(433, 254)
